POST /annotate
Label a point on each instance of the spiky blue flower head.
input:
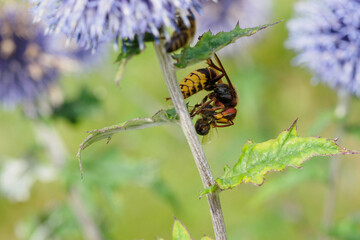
(326, 36)
(93, 21)
(26, 63)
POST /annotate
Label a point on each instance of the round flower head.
(326, 36)
(31, 61)
(26, 67)
(92, 22)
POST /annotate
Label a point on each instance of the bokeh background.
(134, 185)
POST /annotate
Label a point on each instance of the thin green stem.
(168, 71)
(341, 112)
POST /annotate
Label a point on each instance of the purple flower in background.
(91, 22)
(26, 64)
(326, 36)
(224, 15)
(30, 61)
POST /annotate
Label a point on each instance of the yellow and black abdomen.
(197, 81)
(183, 36)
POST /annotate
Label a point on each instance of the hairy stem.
(168, 71)
(341, 111)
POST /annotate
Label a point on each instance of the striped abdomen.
(197, 81)
(183, 37)
(226, 116)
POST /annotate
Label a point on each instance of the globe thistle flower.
(24, 69)
(326, 36)
(92, 22)
(30, 62)
(224, 15)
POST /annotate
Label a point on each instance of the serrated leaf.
(288, 149)
(180, 232)
(209, 44)
(160, 118)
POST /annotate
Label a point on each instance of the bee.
(217, 109)
(183, 36)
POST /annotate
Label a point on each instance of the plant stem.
(90, 229)
(341, 111)
(168, 71)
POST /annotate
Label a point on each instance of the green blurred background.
(272, 94)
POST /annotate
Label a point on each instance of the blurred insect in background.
(183, 35)
(217, 109)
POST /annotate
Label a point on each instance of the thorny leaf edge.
(216, 187)
(84, 144)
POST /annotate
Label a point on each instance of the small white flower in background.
(18, 175)
(326, 36)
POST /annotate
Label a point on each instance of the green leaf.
(206, 238)
(171, 113)
(128, 50)
(131, 48)
(160, 118)
(288, 149)
(180, 232)
(210, 44)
